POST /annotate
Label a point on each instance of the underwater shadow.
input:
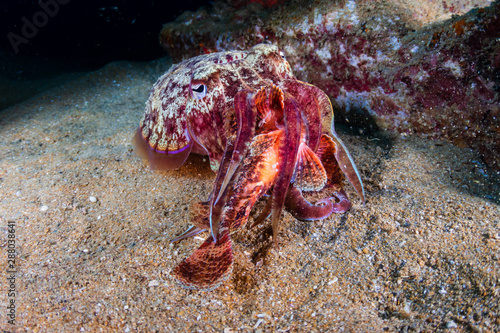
(461, 169)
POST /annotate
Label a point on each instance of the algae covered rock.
(411, 68)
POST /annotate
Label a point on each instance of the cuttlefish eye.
(199, 91)
(282, 54)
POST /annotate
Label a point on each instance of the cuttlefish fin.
(160, 160)
(208, 266)
(199, 213)
(309, 174)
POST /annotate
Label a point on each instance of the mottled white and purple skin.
(264, 132)
(175, 121)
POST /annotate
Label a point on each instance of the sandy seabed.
(92, 228)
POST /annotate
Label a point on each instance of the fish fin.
(209, 266)
(309, 173)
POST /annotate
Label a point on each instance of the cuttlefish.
(267, 135)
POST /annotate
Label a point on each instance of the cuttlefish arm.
(311, 101)
(212, 262)
(303, 210)
(208, 266)
(317, 113)
(346, 164)
(246, 115)
(199, 215)
(286, 157)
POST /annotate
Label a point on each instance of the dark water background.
(45, 43)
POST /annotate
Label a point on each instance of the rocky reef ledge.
(407, 67)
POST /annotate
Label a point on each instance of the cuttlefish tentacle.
(343, 205)
(191, 232)
(244, 106)
(215, 206)
(303, 210)
(264, 214)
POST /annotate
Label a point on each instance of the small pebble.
(93, 199)
(44, 208)
(332, 281)
(154, 283)
(451, 324)
(258, 323)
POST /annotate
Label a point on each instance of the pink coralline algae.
(408, 70)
